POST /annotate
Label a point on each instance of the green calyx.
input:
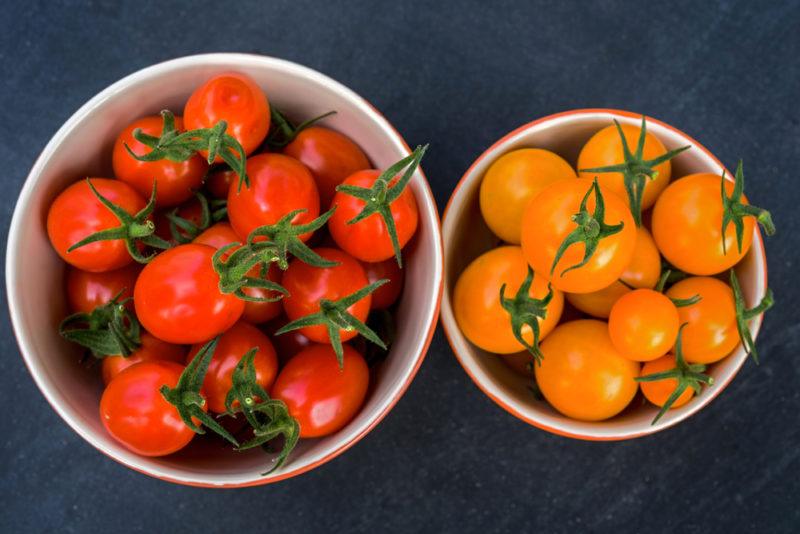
(176, 146)
(733, 211)
(378, 198)
(635, 169)
(284, 132)
(185, 231)
(133, 229)
(591, 229)
(186, 397)
(744, 315)
(666, 276)
(269, 418)
(333, 315)
(233, 270)
(526, 310)
(108, 330)
(688, 375)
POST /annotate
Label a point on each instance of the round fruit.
(152, 349)
(87, 290)
(643, 325)
(388, 293)
(659, 391)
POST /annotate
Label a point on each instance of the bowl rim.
(235, 59)
(451, 328)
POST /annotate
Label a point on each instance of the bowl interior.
(466, 236)
(83, 148)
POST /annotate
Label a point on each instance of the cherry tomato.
(548, 221)
(388, 293)
(288, 344)
(476, 300)
(368, 239)
(331, 157)
(232, 345)
(711, 332)
(152, 349)
(643, 271)
(512, 181)
(605, 148)
(191, 210)
(520, 362)
(217, 236)
(687, 226)
(136, 414)
(659, 391)
(236, 99)
(87, 290)
(320, 395)
(175, 180)
(307, 285)
(278, 185)
(77, 213)
(219, 183)
(582, 375)
(643, 325)
(177, 297)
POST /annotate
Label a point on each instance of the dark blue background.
(458, 75)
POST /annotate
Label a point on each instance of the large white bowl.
(82, 147)
(466, 236)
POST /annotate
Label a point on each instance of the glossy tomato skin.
(217, 236)
(711, 332)
(152, 349)
(687, 226)
(476, 300)
(76, 213)
(219, 183)
(643, 325)
(643, 271)
(659, 391)
(320, 395)
(135, 413)
(547, 222)
(278, 185)
(307, 285)
(510, 184)
(175, 180)
(87, 290)
(232, 345)
(331, 156)
(388, 293)
(605, 148)
(368, 240)
(177, 298)
(236, 99)
(582, 375)
(288, 344)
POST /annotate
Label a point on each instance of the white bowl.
(466, 236)
(82, 147)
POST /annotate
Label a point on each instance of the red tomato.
(177, 297)
(387, 294)
(219, 183)
(232, 345)
(331, 157)
(77, 213)
(236, 99)
(218, 236)
(87, 290)
(152, 349)
(176, 180)
(368, 240)
(320, 395)
(136, 414)
(278, 185)
(287, 344)
(307, 285)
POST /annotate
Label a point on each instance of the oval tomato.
(331, 156)
(176, 181)
(582, 375)
(135, 413)
(643, 325)
(76, 213)
(152, 349)
(476, 301)
(388, 293)
(510, 184)
(87, 290)
(177, 298)
(320, 395)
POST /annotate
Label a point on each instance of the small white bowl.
(466, 236)
(82, 147)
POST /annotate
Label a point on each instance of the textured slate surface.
(457, 75)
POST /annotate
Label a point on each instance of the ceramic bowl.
(82, 147)
(466, 236)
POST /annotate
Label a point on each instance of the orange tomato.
(512, 181)
(643, 325)
(582, 375)
(659, 391)
(476, 300)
